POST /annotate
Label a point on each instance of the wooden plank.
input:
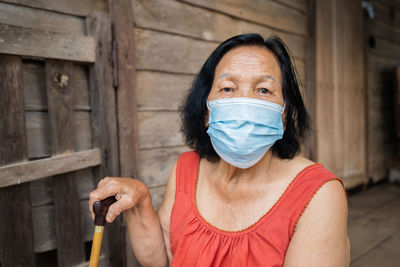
(310, 92)
(80, 82)
(104, 125)
(159, 129)
(103, 262)
(42, 190)
(152, 96)
(178, 54)
(265, 12)
(75, 7)
(385, 31)
(379, 224)
(386, 48)
(156, 164)
(387, 253)
(126, 94)
(16, 248)
(386, 13)
(70, 249)
(124, 39)
(82, 135)
(365, 202)
(298, 4)
(39, 19)
(35, 87)
(37, 128)
(45, 230)
(340, 110)
(45, 44)
(157, 195)
(205, 24)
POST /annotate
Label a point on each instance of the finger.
(105, 181)
(125, 202)
(102, 193)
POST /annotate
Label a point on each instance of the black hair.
(194, 107)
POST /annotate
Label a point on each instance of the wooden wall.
(340, 89)
(383, 55)
(173, 39)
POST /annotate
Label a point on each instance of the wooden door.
(58, 129)
(340, 90)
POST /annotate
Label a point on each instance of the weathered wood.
(45, 230)
(178, 54)
(156, 164)
(32, 170)
(37, 43)
(385, 31)
(157, 195)
(387, 253)
(38, 133)
(152, 96)
(42, 190)
(298, 4)
(34, 80)
(309, 95)
(203, 23)
(104, 125)
(75, 7)
(386, 13)
(39, 19)
(16, 247)
(379, 224)
(37, 128)
(80, 82)
(82, 130)
(159, 129)
(386, 48)
(126, 93)
(265, 12)
(70, 248)
(103, 262)
(35, 87)
(340, 109)
(365, 202)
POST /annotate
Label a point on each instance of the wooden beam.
(104, 125)
(21, 41)
(16, 234)
(74, 7)
(26, 171)
(70, 249)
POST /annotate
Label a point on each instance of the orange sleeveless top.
(195, 242)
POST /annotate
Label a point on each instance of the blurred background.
(91, 88)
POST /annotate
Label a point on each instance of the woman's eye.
(227, 89)
(263, 91)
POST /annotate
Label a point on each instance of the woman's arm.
(165, 209)
(133, 198)
(320, 238)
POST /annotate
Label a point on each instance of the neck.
(230, 173)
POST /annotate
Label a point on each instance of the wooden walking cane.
(100, 209)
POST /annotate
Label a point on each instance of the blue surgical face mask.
(243, 129)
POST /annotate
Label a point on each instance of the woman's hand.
(129, 193)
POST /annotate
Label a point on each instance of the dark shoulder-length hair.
(194, 107)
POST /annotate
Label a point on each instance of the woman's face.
(248, 71)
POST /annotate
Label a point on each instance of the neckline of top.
(257, 223)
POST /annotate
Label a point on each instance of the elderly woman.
(243, 196)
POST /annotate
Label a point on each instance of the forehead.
(247, 60)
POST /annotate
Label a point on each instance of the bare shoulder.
(320, 237)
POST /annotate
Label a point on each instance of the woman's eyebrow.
(270, 77)
(223, 75)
